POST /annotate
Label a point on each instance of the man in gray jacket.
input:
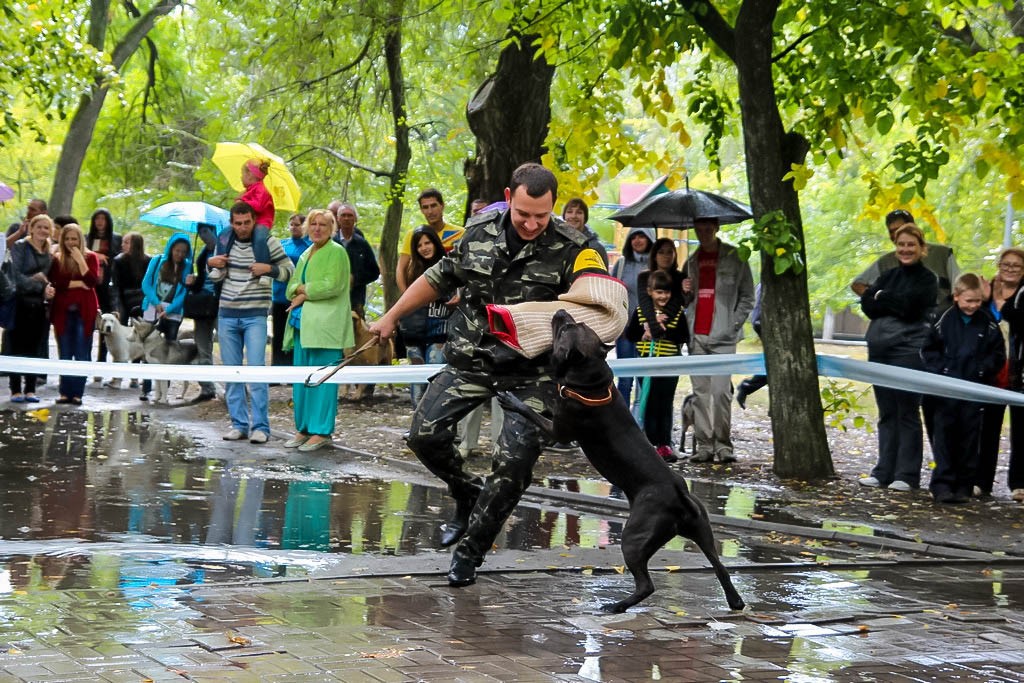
(718, 290)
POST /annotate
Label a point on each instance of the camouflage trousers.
(449, 397)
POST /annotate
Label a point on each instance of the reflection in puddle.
(736, 502)
(82, 490)
(114, 494)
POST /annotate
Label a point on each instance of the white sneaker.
(1018, 495)
(233, 435)
(258, 437)
(869, 481)
(900, 486)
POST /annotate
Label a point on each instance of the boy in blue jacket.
(965, 342)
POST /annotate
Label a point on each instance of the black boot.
(462, 571)
(741, 393)
(455, 528)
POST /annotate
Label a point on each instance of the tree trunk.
(509, 115)
(83, 122)
(391, 232)
(798, 428)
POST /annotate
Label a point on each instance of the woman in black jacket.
(30, 263)
(106, 244)
(898, 304)
(128, 271)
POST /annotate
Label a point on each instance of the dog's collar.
(566, 392)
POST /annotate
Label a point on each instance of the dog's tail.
(697, 508)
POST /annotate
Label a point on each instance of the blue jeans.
(74, 344)
(417, 355)
(625, 349)
(246, 336)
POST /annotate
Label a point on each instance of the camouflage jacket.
(480, 269)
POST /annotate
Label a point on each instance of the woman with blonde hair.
(898, 304)
(1007, 297)
(74, 273)
(319, 328)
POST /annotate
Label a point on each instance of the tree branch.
(150, 65)
(714, 24)
(98, 21)
(150, 77)
(796, 43)
(130, 42)
(308, 83)
(340, 157)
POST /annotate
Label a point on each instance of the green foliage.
(843, 405)
(773, 234)
(47, 66)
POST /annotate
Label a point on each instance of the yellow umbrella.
(229, 158)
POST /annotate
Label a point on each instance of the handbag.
(8, 300)
(7, 288)
(201, 304)
(7, 309)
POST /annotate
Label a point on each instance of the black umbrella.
(678, 209)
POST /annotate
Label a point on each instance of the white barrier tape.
(725, 364)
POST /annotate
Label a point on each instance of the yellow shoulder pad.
(588, 259)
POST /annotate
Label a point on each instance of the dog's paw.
(615, 607)
(510, 402)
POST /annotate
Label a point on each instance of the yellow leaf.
(43, 414)
(979, 84)
(939, 90)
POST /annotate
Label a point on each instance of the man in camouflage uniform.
(522, 254)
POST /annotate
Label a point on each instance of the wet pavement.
(133, 550)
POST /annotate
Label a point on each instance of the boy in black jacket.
(965, 343)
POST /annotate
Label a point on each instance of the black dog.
(591, 412)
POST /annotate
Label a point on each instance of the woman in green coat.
(319, 327)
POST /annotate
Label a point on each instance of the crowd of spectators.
(312, 285)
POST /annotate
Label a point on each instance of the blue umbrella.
(187, 216)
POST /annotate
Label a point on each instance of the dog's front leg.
(511, 403)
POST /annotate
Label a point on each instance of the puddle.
(119, 491)
(736, 502)
(116, 498)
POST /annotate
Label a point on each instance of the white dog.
(154, 348)
(121, 341)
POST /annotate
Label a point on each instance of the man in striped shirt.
(245, 297)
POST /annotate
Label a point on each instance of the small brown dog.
(380, 354)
